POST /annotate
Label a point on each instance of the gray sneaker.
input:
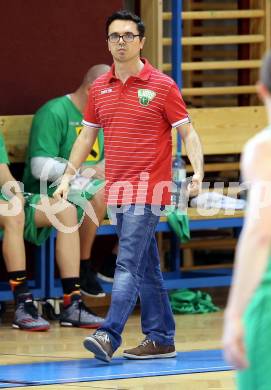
(78, 315)
(99, 343)
(26, 315)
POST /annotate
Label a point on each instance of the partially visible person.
(34, 225)
(54, 130)
(247, 323)
(137, 106)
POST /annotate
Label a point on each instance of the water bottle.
(178, 178)
(178, 169)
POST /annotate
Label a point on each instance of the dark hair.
(126, 15)
(265, 72)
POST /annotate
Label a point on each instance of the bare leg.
(26, 315)
(74, 312)
(88, 228)
(67, 244)
(13, 242)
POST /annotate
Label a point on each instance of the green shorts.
(257, 323)
(31, 233)
(80, 198)
(38, 236)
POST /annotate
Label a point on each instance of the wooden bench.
(223, 132)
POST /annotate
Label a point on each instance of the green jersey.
(3, 151)
(53, 132)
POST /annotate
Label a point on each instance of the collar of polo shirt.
(143, 75)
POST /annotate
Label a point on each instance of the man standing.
(247, 327)
(54, 130)
(137, 106)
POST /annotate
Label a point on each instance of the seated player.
(54, 130)
(35, 225)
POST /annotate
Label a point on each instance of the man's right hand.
(63, 189)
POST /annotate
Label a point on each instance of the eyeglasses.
(127, 37)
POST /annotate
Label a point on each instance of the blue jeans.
(138, 274)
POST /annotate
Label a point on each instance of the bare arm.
(13, 188)
(194, 151)
(255, 241)
(81, 148)
(79, 153)
(5, 176)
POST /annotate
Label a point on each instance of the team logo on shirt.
(145, 96)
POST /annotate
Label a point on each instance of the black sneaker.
(90, 286)
(99, 344)
(107, 271)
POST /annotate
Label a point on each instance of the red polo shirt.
(137, 118)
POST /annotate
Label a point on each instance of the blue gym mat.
(87, 370)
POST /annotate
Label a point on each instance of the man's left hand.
(194, 187)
